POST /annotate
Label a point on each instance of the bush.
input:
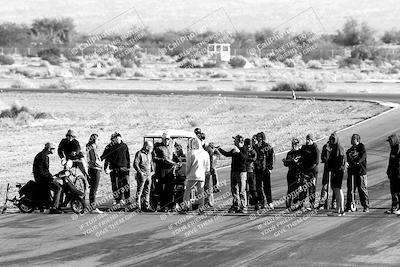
(314, 64)
(6, 60)
(246, 88)
(190, 63)
(14, 111)
(52, 55)
(127, 63)
(209, 64)
(205, 88)
(117, 71)
(289, 63)
(349, 62)
(237, 62)
(24, 118)
(288, 86)
(219, 75)
(21, 84)
(138, 74)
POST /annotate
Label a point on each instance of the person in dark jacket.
(117, 158)
(238, 174)
(292, 161)
(357, 171)
(326, 150)
(336, 165)
(143, 165)
(166, 161)
(44, 178)
(310, 161)
(70, 149)
(251, 180)
(263, 168)
(393, 172)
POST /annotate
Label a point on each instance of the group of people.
(157, 172)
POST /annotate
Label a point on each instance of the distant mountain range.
(249, 15)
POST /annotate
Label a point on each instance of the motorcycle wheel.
(25, 205)
(353, 207)
(77, 205)
(80, 183)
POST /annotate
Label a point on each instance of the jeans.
(238, 189)
(81, 164)
(94, 179)
(208, 188)
(120, 185)
(263, 185)
(251, 188)
(324, 190)
(166, 191)
(143, 189)
(395, 192)
(214, 176)
(199, 185)
(311, 181)
(360, 183)
(57, 188)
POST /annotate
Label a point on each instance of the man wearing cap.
(238, 174)
(166, 161)
(116, 156)
(70, 149)
(263, 168)
(143, 165)
(310, 161)
(357, 172)
(393, 172)
(44, 178)
(292, 161)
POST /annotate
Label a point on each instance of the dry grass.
(135, 116)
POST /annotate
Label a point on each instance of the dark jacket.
(66, 147)
(164, 157)
(326, 150)
(337, 159)
(251, 159)
(393, 170)
(357, 160)
(239, 159)
(294, 167)
(41, 171)
(310, 158)
(117, 157)
(143, 163)
(265, 157)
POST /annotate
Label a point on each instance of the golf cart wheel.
(77, 205)
(25, 205)
(80, 183)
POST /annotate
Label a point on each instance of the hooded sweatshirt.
(357, 159)
(337, 159)
(393, 170)
(198, 162)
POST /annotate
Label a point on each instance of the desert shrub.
(237, 62)
(219, 74)
(209, 64)
(43, 115)
(24, 118)
(246, 88)
(130, 60)
(190, 63)
(127, 63)
(52, 55)
(6, 60)
(21, 84)
(349, 62)
(291, 86)
(205, 88)
(117, 71)
(289, 63)
(14, 111)
(63, 84)
(314, 64)
(138, 74)
(361, 52)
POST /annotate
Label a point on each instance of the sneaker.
(271, 207)
(391, 211)
(55, 211)
(232, 209)
(148, 209)
(243, 211)
(97, 211)
(341, 213)
(397, 212)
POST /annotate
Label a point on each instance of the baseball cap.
(49, 145)
(238, 137)
(71, 133)
(115, 134)
(310, 136)
(197, 131)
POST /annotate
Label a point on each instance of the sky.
(233, 15)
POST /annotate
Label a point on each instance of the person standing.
(263, 168)
(326, 150)
(94, 170)
(238, 174)
(310, 161)
(44, 178)
(143, 164)
(116, 156)
(357, 172)
(70, 149)
(336, 165)
(292, 161)
(197, 164)
(393, 172)
(251, 180)
(166, 161)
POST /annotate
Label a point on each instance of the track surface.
(309, 239)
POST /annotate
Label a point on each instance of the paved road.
(306, 239)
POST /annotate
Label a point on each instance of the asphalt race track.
(220, 239)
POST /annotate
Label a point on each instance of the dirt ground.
(135, 115)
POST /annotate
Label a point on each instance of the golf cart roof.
(172, 133)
